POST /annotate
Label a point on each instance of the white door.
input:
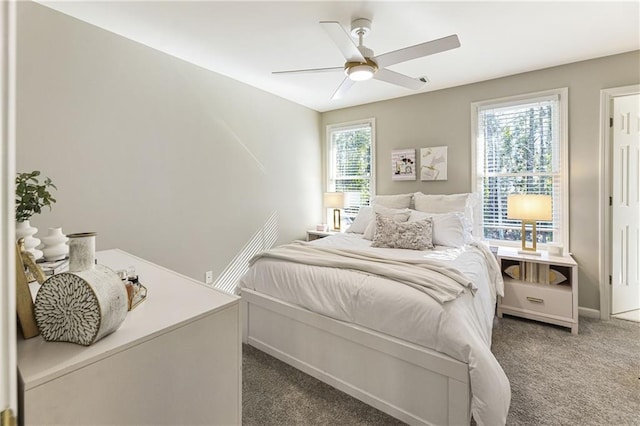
(626, 204)
(8, 376)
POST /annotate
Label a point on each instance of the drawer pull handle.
(535, 299)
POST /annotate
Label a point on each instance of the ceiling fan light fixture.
(360, 71)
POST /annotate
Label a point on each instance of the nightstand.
(534, 287)
(314, 235)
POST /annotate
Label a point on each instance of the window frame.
(330, 129)
(477, 169)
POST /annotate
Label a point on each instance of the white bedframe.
(414, 384)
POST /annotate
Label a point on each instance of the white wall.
(161, 158)
(443, 118)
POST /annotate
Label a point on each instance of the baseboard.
(588, 312)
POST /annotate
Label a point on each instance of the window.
(520, 146)
(350, 163)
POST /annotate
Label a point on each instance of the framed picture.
(433, 163)
(24, 300)
(403, 164)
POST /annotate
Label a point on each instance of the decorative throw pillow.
(399, 215)
(405, 235)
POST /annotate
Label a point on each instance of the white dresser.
(176, 359)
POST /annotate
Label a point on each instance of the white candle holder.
(82, 251)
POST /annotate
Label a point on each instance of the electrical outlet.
(208, 277)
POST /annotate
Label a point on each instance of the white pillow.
(432, 203)
(448, 228)
(474, 204)
(359, 225)
(399, 215)
(467, 203)
(398, 201)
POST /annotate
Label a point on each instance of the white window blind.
(350, 163)
(520, 147)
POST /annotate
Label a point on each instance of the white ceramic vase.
(26, 231)
(55, 245)
(82, 251)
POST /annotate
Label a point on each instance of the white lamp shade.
(334, 200)
(529, 207)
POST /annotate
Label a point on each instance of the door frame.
(8, 355)
(605, 216)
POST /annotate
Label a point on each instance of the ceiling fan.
(362, 65)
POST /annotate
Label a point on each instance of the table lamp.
(335, 201)
(529, 209)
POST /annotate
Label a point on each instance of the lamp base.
(336, 219)
(529, 249)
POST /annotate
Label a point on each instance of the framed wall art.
(433, 163)
(403, 164)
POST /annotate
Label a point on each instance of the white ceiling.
(248, 40)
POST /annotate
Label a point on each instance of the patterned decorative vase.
(26, 231)
(55, 245)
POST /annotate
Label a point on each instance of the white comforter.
(460, 328)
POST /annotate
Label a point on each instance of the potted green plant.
(31, 196)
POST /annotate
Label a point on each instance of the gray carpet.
(562, 379)
(556, 379)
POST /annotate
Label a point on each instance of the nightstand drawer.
(544, 299)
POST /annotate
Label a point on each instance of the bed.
(407, 331)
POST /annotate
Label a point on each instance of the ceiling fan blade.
(310, 70)
(343, 40)
(418, 51)
(393, 77)
(344, 86)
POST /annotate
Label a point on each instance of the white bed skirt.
(414, 384)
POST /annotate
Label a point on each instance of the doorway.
(620, 201)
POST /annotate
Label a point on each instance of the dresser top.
(173, 300)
